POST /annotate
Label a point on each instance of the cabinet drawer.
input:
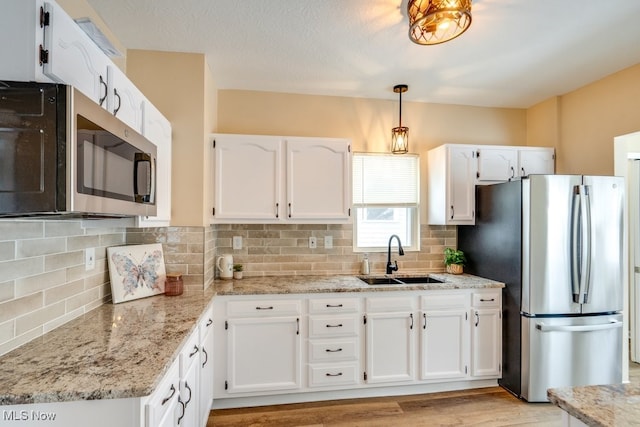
(391, 304)
(263, 308)
(333, 305)
(333, 326)
(320, 376)
(190, 353)
(438, 301)
(164, 397)
(333, 350)
(486, 299)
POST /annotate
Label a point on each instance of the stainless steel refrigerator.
(556, 241)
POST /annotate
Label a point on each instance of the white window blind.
(386, 179)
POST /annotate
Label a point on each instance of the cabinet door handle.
(411, 317)
(339, 325)
(106, 91)
(264, 308)
(451, 211)
(168, 398)
(186, 384)
(277, 210)
(339, 374)
(477, 318)
(289, 210)
(487, 300)
(424, 316)
(184, 409)
(209, 322)
(334, 306)
(117, 95)
(297, 326)
(206, 356)
(194, 351)
(328, 350)
(513, 172)
(523, 173)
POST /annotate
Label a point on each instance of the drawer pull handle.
(209, 322)
(168, 398)
(194, 351)
(339, 374)
(334, 306)
(487, 300)
(333, 351)
(264, 308)
(339, 325)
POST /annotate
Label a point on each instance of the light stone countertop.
(600, 405)
(123, 350)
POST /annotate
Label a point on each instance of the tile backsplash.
(44, 283)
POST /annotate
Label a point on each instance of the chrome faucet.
(391, 267)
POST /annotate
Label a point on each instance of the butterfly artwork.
(136, 271)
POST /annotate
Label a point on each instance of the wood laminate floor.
(480, 407)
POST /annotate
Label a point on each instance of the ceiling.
(515, 54)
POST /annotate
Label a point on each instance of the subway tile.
(7, 291)
(7, 331)
(37, 247)
(36, 319)
(20, 306)
(82, 242)
(66, 290)
(63, 260)
(59, 321)
(20, 340)
(7, 250)
(15, 230)
(40, 282)
(82, 299)
(21, 267)
(63, 228)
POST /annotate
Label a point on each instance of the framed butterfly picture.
(136, 271)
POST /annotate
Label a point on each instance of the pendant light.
(437, 21)
(400, 134)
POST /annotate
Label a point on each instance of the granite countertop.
(600, 405)
(325, 284)
(123, 350)
(115, 351)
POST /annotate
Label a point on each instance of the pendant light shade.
(400, 134)
(437, 21)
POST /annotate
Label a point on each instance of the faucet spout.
(391, 267)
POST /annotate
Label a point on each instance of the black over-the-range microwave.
(63, 154)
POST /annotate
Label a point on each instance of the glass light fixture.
(437, 21)
(400, 134)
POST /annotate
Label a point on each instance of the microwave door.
(144, 178)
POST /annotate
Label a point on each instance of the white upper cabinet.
(124, 100)
(497, 164)
(536, 160)
(274, 179)
(72, 57)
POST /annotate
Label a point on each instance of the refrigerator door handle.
(575, 243)
(585, 264)
(582, 328)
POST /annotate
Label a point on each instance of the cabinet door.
(73, 57)
(165, 405)
(189, 395)
(206, 369)
(461, 178)
(125, 101)
(247, 177)
(157, 129)
(318, 178)
(444, 351)
(263, 354)
(486, 342)
(497, 164)
(389, 347)
(536, 161)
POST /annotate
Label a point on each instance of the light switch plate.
(313, 242)
(89, 259)
(328, 242)
(237, 242)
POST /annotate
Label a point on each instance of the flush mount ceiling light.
(437, 21)
(400, 134)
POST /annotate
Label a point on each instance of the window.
(386, 193)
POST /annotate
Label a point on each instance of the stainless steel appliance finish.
(557, 243)
(63, 154)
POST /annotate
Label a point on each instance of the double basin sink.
(410, 280)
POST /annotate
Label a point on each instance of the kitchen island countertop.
(600, 405)
(123, 350)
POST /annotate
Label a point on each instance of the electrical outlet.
(313, 242)
(89, 259)
(237, 242)
(328, 242)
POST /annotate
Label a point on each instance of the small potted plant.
(237, 271)
(454, 260)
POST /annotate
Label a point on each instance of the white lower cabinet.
(389, 338)
(444, 336)
(165, 406)
(346, 343)
(263, 346)
(206, 366)
(189, 375)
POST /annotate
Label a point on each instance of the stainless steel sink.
(398, 280)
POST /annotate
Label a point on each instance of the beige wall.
(585, 121)
(180, 86)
